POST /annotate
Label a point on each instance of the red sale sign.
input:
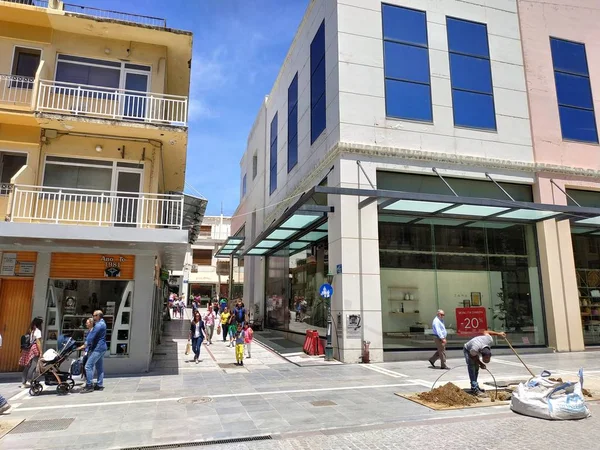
(470, 321)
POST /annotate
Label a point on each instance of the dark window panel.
(317, 85)
(406, 62)
(461, 262)
(471, 74)
(466, 37)
(317, 119)
(573, 90)
(405, 100)
(569, 56)
(273, 128)
(293, 93)
(317, 48)
(578, 124)
(404, 25)
(473, 110)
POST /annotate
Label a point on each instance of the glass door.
(128, 186)
(136, 88)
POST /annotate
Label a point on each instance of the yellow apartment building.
(93, 140)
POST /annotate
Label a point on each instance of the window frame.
(10, 152)
(13, 61)
(323, 96)
(254, 165)
(273, 142)
(294, 138)
(571, 107)
(407, 44)
(479, 57)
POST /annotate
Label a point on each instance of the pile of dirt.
(586, 392)
(448, 394)
(503, 396)
(558, 380)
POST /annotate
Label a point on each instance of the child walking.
(239, 345)
(249, 334)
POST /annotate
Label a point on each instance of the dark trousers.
(473, 369)
(224, 330)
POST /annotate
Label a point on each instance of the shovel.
(518, 357)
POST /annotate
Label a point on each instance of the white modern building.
(394, 156)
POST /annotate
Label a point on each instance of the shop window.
(71, 302)
(318, 76)
(202, 257)
(293, 123)
(573, 91)
(273, 156)
(26, 62)
(406, 64)
(470, 74)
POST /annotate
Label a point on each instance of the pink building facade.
(556, 36)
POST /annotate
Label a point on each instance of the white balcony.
(16, 90)
(106, 103)
(37, 204)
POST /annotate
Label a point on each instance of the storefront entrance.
(15, 316)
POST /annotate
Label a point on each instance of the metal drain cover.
(194, 400)
(34, 426)
(323, 403)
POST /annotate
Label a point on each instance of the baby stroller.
(49, 369)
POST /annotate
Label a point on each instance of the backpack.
(26, 341)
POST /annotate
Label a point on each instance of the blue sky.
(239, 46)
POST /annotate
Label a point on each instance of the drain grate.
(228, 366)
(323, 403)
(194, 400)
(35, 426)
(202, 443)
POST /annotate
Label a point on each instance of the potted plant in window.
(511, 311)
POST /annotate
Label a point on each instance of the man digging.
(477, 354)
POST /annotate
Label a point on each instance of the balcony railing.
(97, 208)
(115, 15)
(40, 3)
(16, 90)
(120, 104)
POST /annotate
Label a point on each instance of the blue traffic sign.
(326, 290)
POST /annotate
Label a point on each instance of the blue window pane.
(244, 185)
(406, 100)
(404, 25)
(293, 93)
(569, 56)
(293, 123)
(317, 83)
(273, 154)
(317, 119)
(472, 74)
(578, 124)
(406, 62)
(292, 152)
(473, 110)
(272, 179)
(273, 129)
(467, 37)
(317, 47)
(573, 90)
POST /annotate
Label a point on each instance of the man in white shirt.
(476, 348)
(439, 335)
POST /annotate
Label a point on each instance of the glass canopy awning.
(304, 225)
(232, 247)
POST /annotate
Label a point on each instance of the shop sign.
(26, 269)
(9, 263)
(471, 320)
(164, 275)
(112, 265)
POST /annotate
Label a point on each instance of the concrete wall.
(362, 99)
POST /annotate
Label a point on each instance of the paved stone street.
(312, 406)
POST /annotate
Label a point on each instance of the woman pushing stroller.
(89, 324)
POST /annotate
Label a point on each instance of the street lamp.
(329, 345)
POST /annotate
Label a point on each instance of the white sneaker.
(25, 385)
(5, 409)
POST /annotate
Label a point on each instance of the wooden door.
(15, 317)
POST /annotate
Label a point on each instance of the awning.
(232, 247)
(304, 225)
(193, 213)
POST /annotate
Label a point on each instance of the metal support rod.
(329, 344)
(564, 192)
(499, 187)
(445, 182)
(365, 173)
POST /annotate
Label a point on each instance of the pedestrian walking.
(96, 355)
(232, 331)
(476, 348)
(89, 324)
(225, 316)
(209, 322)
(174, 302)
(239, 336)
(222, 304)
(215, 306)
(182, 307)
(439, 336)
(197, 335)
(31, 349)
(239, 312)
(248, 339)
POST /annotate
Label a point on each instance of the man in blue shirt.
(97, 340)
(439, 335)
